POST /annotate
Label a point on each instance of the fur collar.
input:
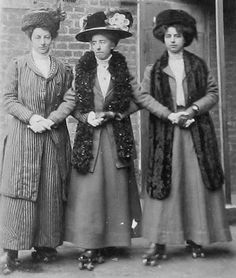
(119, 102)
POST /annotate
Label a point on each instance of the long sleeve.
(10, 95)
(211, 98)
(68, 103)
(82, 117)
(143, 99)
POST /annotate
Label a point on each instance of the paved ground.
(220, 263)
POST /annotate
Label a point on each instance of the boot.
(9, 261)
(89, 258)
(44, 254)
(155, 252)
(196, 249)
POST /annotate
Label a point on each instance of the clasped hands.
(99, 118)
(183, 119)
(39, 124)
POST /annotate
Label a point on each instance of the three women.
(184, 201)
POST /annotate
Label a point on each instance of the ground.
(219, 263)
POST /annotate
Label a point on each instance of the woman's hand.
(39, 124)
(35, 119)
(175, 117)
(107, 115)
(93, 120)
(185, 121)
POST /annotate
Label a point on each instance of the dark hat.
(43, 18)
(113, 21)
(170, 17)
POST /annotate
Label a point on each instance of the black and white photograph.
(118, 138)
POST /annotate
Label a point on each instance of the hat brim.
(85, 36)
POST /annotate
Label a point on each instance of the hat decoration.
(113, 20)
(118, 20)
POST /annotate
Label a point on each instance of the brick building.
(138, 49)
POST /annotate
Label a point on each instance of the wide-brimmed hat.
(172, 16)
(113, 21)
(43, 18)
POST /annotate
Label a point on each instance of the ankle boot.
(9, 261)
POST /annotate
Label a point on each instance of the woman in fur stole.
(184, 200)
(103, 199)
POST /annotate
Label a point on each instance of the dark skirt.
(25, 224)
(191, 212)
(102, 205)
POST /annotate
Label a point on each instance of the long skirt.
(25, 224)
(191, 212)
(101, 205)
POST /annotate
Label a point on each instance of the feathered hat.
(43, 18)
(113, 21)
(170, 17)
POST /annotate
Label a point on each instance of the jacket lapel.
(53, 67)
(97, 87)
(110, 89)
(109, 93)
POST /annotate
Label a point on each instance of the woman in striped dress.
(37, 148)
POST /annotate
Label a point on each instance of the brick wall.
(230, 58)
(230, 78)
(13, 41)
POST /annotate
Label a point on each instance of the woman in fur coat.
(103, 199)
(184, 200)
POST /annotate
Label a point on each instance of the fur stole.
(119, 102)
(161, 132)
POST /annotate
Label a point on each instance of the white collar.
(103, 63)
(175, 56)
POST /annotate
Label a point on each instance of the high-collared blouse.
(103, 74)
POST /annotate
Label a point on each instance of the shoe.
(89, 258)
(155, 252)
(195, 249)
(44, 254)
(9, 261)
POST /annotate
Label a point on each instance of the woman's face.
(102, 46)
(41, 40)
(174, 41)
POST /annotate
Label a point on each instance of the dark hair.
(187, 31)
(29, 31)
(110, 35)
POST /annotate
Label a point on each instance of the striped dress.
(35, 166)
